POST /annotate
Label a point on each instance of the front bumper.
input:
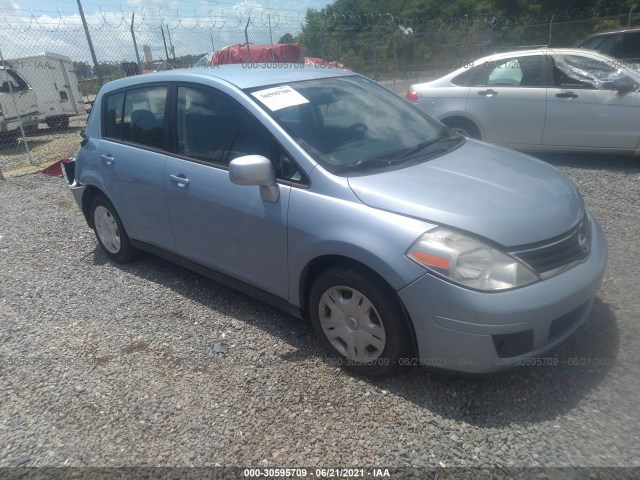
(477, 332)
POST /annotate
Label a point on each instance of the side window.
(18, 84)
(601, 43)
(515, 72)
(214, 128)
(630, 46)
(112, 124)
(472, 77)
(577, 71)
(143, 117)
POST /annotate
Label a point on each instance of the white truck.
(18, 103)
(55, 84)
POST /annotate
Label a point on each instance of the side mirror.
(624, 85)
(255, 170)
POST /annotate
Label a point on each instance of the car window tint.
(112, 125)
(515, 72)
(215, 128)
(143, 118)
(630, 46)
(472, 77)
(602, 43)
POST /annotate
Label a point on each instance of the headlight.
(469, 262)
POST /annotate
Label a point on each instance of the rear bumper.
(476, 332)
(77, 190)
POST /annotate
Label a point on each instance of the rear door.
(509, 100)
(132, 161)
(583, 109)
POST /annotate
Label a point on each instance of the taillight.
(412, 96)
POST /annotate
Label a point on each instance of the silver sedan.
(544, 99)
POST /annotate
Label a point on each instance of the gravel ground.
(46, 145)
(149, 364)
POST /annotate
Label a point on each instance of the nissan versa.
(321, 192)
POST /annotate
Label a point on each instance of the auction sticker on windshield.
(280, 97)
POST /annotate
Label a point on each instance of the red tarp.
(287, 53)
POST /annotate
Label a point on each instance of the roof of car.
(241, 75)
(570, 51)
(612, 32)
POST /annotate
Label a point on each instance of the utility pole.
(93, 52)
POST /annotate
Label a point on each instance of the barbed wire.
(261, 17)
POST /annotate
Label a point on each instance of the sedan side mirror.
(623, 85)
(255, 170)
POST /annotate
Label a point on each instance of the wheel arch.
(466, 119)
(89, 194)
(323, 262)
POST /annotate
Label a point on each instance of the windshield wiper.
(374, 163)
(422, 145)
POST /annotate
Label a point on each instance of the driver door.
(583, 109)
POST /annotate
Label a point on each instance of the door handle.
(107, 159)
(181, 180)
(487, 93)
(566, 95)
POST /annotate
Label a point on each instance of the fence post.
(164, 40)
(375, 55)
(551, 29)
(135, 44)
(93, 52)
(15, 105)
(246, 37)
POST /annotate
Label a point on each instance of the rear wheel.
(110, 232)
(463, 126)
(359, 321)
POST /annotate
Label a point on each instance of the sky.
(168, 7)
(30, 27)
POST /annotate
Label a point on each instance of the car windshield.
(351, 124)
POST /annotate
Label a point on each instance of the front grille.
(558, 255)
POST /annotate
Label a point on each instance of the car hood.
(504, 196)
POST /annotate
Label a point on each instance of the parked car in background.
(622, 44)
(55, 84)
(543, 99)
(327, 195)
(18, 104)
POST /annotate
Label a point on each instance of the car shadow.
(522, 395)
(591, 161)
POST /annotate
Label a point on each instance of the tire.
(464, 127)
(369, 342)
(110, 232)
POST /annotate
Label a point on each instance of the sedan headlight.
(469, 262)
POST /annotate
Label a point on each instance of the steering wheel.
(357, 129)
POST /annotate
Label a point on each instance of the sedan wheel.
(352, 324)
(109, 230)
(359, 320)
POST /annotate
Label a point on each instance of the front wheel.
(464, 127)
(110, 232)
(359, 321)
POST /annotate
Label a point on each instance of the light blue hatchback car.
(324, 194)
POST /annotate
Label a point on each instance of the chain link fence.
(49, 76)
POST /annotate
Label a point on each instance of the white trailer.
(55, 83)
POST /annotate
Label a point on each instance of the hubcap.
(107, 229)
(461, 131)
(352, 324)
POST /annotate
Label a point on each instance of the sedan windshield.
(352, 124)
